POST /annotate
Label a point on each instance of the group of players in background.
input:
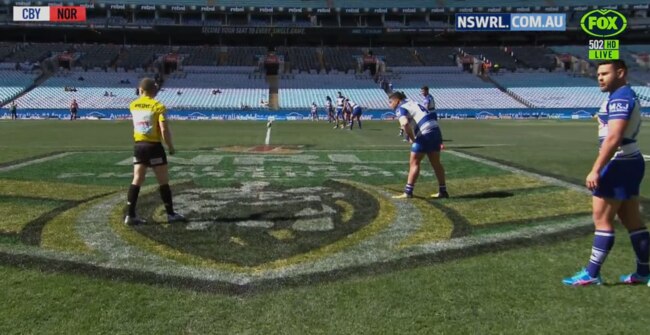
(343, 114)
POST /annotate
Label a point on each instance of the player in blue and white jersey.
(615, 178)
(340, 102)
(424, 133)
(314, 111)
(356, 112)
(428, 102)
(329, 107)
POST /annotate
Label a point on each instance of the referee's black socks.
(132, 199)
(166, 196)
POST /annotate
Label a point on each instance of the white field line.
(267, 141)
(34, 161)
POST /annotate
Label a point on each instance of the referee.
(149, 130)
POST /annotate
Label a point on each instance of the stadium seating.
(13, 82)
(90, 91)
(303, 59)
(451, 80)
(36, 52)
(534, 57)
(543, 79)
(97, 55)
(243, 56)
(398, 56)
(341, 59)
(438, 56)
(496, 55)
(199, 56)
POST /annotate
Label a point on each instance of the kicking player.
(424, 134)
(149, 128)
(356, 113)
(615, 178)
(314, 111)
(340, 100)
(330, 109)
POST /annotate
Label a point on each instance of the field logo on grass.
(603, 23)
(259, 219)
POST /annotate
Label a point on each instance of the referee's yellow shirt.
(146, 113)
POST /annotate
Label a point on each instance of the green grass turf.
(513, 291)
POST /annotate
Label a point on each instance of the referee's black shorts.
(149, 154)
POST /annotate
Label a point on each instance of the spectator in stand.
(74, 108)
(105, 93)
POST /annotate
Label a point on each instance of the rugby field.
(303, 236)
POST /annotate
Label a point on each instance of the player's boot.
(582, 278)
(403, 196)
(634, 279)
(133, 221)
(176, 217)
(440, 195)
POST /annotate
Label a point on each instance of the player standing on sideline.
(340, 100)
(615, 177)
(356, 113)
(13, 109)
(330, 109)
(424, 134)
(74, 108)
(314, 111)
(149, 127)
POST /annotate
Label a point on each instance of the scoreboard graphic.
(49, 13)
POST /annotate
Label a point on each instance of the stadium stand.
(199, 56)
(97, 56)
(534, 57)
(438, 56)
(495, 55)
(89, 92)
(243, 56)
(398, 56)
(36, 52)
(199, 91)
(303, 59)
(341, 59)
(13, 83)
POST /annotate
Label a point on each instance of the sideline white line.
(267, 141)
(34, 161)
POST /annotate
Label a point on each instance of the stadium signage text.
(323, 10)
(118, 6)
(295, 10)
(380, 10)
(511, 22)
(178, 8)
(409, 10)
(236, 9)
(603, 23)
(352, 10)
(253, 30)
(148, 7)
(208, 8)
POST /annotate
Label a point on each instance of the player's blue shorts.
(621, 179)
(428, 143)
(339, 111)
(356, 111)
